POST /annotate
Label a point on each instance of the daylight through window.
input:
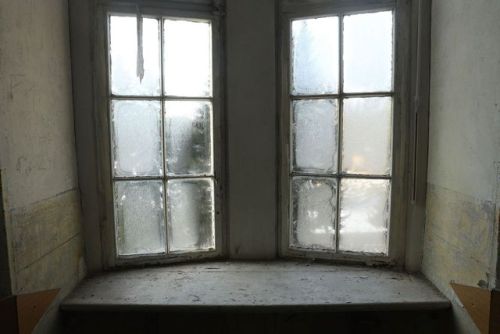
(161, 135)
(341, 98)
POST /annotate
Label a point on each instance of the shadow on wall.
(263, 323)
(5, 287)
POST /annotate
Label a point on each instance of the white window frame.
(293, 9)
(103, 97)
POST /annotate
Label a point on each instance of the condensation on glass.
(315, 56)
(188, 137)
(187, 64)
(315, 136)
(123, 56)
(341, 108)
(161, 136)
(368, 52)
(141, 216)
(314, 212)
(367, 136)
(364, 215)
(190, 214)
(136, 138)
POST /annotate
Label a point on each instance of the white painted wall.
(461, 233)
(37, 150)
(251, 129)
(465, 97)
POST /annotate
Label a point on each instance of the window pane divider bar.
(340, 122)
(163, 144)
(342, 176)
(341, 95)
(160, 178)
(160, 97)
(204, 176)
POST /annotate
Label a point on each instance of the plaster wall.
(251, 128)
(37, 150)
(461, 233)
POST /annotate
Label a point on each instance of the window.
(345, 163)
(161, 121)
(339, 123)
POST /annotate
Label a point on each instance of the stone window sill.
(255, 286)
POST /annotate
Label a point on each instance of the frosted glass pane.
(315, 134)
(188, 136)
(139, 217)
(136, 138)
(368, 52)
(364, 215)
(187, 57)
(315, 56)
(190, 207)
(367, 136)
(314, 212)
(123, 51)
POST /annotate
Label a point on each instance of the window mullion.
(162, 93)
(341, 112)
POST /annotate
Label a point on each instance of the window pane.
(368, 52)
(187, 58)
(315, 136)
(190, 208)
(314, 203)
(188, 136)
(367, 136)
(123, 52)
(315, 56)
(136, 138)
(364, 215)
(139, 217)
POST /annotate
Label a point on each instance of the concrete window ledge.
(255, 286)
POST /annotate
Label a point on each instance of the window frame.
(103, 104)
(294, 9)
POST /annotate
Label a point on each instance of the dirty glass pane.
(367, 136)
(314, 212)
(187, 58)
(139, 217)
(136, 138)
(315, 56)
(190, 210)
(123, 56)
(364, 215)
(368, 52)
(315, 136)
(188, 137)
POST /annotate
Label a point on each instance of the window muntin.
(162, 136)
(341, 106)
